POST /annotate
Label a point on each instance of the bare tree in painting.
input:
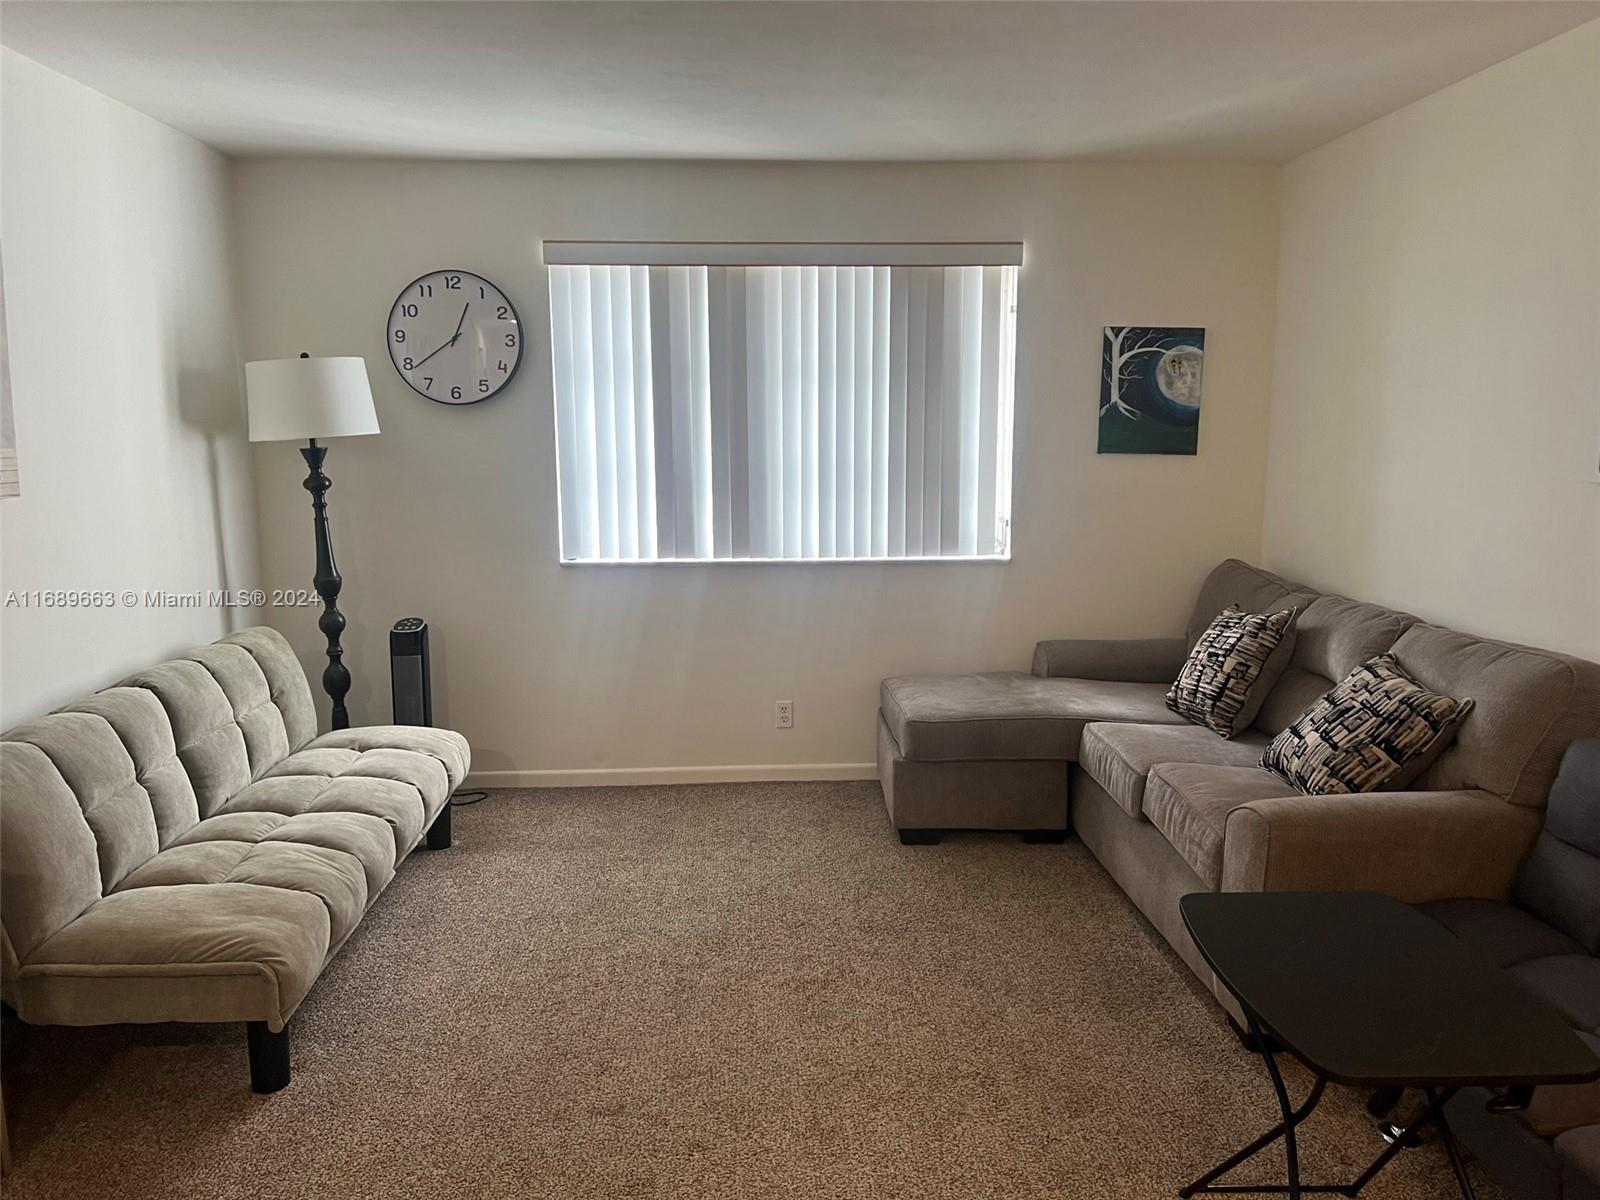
(1116, 367)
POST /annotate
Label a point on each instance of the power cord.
(463, 799)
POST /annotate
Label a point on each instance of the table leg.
(1434, 1111)
(1284, 1129)
(1448, 1137)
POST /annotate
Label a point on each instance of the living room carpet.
(723, 991)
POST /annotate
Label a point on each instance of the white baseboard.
(638, 776)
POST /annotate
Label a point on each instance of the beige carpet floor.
(733, 991)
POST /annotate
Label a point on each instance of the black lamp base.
(327, 581)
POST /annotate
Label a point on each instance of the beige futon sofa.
(1171, 808)
(184, 847)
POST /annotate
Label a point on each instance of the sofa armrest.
(1129, 660)
(1414, 846)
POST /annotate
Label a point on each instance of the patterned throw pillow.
(1378, 730)
(1232, 668)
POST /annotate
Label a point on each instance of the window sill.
(967, 559)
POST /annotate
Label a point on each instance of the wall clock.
(454, 337)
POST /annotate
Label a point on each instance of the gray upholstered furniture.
(1170, 808)
(184, 847)
(1548, 938)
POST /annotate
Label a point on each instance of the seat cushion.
(332, 876)
(1120, 757)
(401, 774)
(1008, 715)
(194, 952)
(1568, 983)
(1190, 803)
(401, 806)
(1506, 934)
(367, 838)
(447, 746)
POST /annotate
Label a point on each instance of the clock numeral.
(483, 385)
(410, 365)
(424, 290)
(502, 313)
(427, 381)
(511, 340)
(455, 393)
(452, 282)
(502, 366)
(482, 295)
(408, 310)
(399, 335)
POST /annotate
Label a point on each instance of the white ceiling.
(885, 80)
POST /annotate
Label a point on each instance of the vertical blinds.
(708, 412)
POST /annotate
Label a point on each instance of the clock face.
(454, 337)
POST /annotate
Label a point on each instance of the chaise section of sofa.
(992, 750)
(184, 847)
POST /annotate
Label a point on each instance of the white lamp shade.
(296, 399)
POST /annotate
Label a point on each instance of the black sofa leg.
(439, 831)
(269, 1057)
(1044, 837)
(920, 837)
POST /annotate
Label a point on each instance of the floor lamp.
(303, 399)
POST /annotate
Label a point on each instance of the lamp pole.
(336, 676)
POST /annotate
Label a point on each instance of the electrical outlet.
(783, 715)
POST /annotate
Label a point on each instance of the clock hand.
(454, 337)
(425, 358)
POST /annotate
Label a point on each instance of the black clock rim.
(522, 340)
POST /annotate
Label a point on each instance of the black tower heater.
(408, 672)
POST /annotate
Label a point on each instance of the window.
(791, 402)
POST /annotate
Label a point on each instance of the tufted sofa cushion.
(401, 774)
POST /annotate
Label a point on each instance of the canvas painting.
(1150, 389)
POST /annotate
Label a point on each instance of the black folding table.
(1367, 991)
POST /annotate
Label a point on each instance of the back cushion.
(210, 743)
(50, 870)
(1561, 878)
(1250, 588)
(286, 680)
(146, 734)
(266, 739)
(1336, 635)
(1531, 704)
(94, 764)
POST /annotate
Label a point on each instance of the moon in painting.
(1178, 375)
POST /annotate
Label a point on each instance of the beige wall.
(450, 513)
(125, 380)
(1436, 407)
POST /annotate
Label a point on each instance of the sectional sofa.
(1169, 808)
(184, 847)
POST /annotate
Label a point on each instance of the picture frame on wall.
(1150, 380)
